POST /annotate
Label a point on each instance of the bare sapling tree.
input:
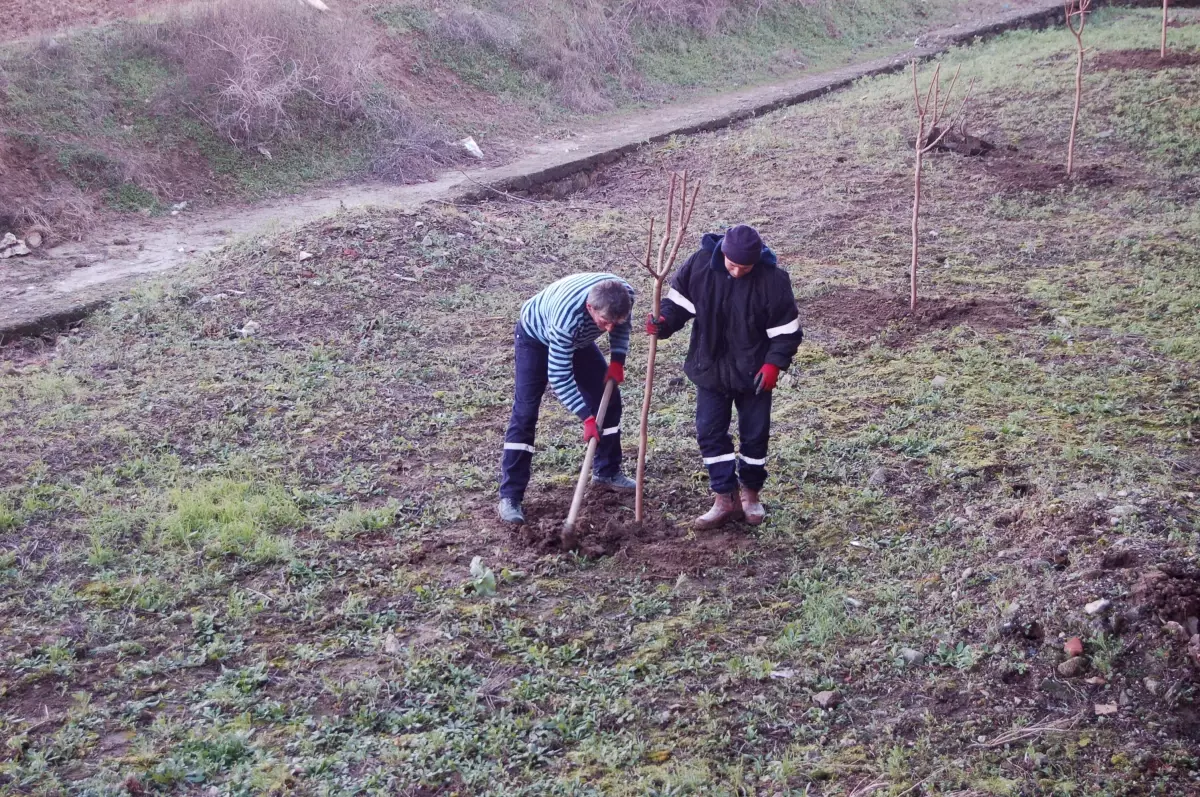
(1077, 11)
(659, 271)
(934, 121)
(1162, 50)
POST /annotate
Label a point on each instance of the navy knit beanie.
(742, 245)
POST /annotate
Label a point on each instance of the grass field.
(236, 558)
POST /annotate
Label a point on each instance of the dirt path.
(66, 282)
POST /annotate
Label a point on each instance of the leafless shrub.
(583, 47)
(262, 70)
(412, 151)
(67, 212)
(61, 210)
(477, 27)
(700, 15)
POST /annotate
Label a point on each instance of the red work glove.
(768, 375)
(590, 431)
(616, 372)
(653, 328)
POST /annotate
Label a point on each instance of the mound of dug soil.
(606, 528)
(854, 314)
(1144, 59)
(1171, 592)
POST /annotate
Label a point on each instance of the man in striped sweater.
(555, 343)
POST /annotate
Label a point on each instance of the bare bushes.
(575, 47)
(263, 70)
(586, 49)
(703, 16)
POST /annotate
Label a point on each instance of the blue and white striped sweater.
(558, 317)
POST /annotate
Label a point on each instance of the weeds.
(226, 517)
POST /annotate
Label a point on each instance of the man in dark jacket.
(746, 331)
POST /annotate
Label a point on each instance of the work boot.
(752, 508)
(510, 511)
(724, 509)
(616, 482)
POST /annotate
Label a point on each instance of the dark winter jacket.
(740, 323)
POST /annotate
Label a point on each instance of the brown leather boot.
(753, 509)
(724, 509)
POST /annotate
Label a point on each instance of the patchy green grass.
(225, 517)
(269, 562)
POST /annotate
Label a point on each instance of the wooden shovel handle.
(586, 471)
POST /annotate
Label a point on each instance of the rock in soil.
(1076, 665)
(1098, 606)
(913, 658)
(827, 700)
(1174, 630)
(1074, 646)
(1114, 560)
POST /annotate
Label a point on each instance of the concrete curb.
(50, 316)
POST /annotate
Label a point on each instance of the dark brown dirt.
(1170, 592)
(855, 314)
(959, 141)
(606, 528)
(1016, 174)
(1144, 59)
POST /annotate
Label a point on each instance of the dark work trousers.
(532, 364)
(714, 411)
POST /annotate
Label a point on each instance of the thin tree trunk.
(916, 215)
(1162, 53)
(644, 437)
(1075, 115)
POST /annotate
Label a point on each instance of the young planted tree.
(1077, 11)
(1162, 51)
(933, 123)
(659, 271)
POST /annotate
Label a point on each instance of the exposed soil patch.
(1016, 174)
(1171, 592)
(1144, 59)
(959, 141)
(851, 314)
(606, 528)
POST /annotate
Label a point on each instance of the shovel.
(568, 532)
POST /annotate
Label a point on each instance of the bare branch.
(950, 92)
(650, 249)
